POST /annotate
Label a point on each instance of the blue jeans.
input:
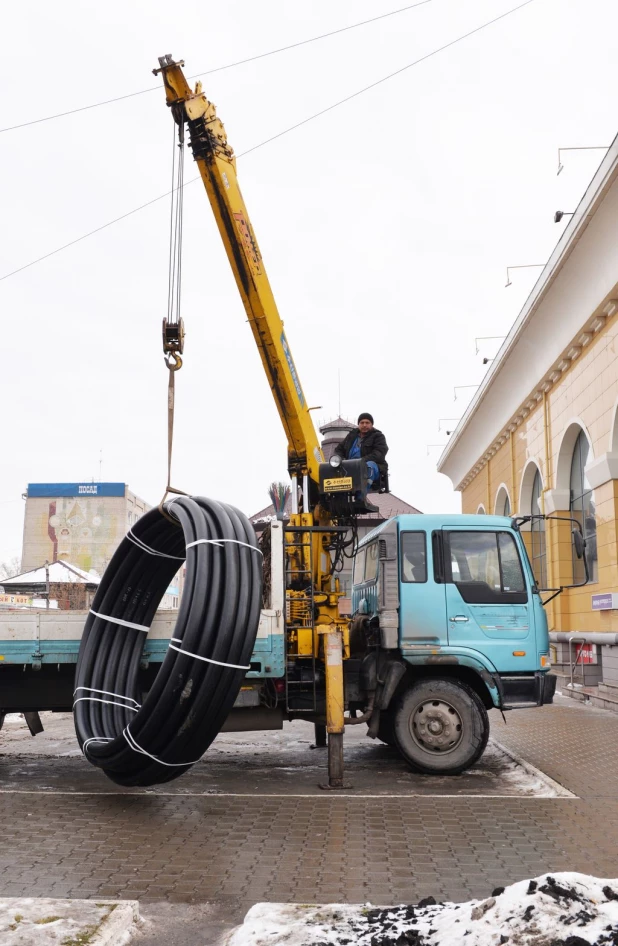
(373, 471)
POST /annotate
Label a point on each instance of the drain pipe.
(585, 637)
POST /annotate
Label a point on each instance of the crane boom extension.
(217, 166)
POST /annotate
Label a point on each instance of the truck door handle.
(459, 619)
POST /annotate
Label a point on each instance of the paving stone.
(195, 848)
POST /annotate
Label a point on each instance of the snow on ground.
(518, 775)
(562, 909)
(29, 921)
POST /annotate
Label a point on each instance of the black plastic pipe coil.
(208, 656)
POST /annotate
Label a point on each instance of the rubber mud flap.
(548, 687)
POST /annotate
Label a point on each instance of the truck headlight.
(335, 461)
(545, 660)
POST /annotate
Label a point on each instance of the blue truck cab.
(447, 609)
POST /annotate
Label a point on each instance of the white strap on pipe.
(107, 693)
(98, 699)
(169, 503)
(96, 739)
(207, 660)
(220, 542)
(134, 627)
(146, 548)
(133, 745)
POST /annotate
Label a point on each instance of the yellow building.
(541, 433)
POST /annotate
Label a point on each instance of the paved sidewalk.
(233, 851)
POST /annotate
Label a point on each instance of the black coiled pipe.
(217, 621)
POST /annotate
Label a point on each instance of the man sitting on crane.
(368, 443)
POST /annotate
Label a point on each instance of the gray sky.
(385, 226)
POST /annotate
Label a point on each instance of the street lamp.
(584, 148)
(523, 266)
(462, 387)
(447, 420)
(487, 338)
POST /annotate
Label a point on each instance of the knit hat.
(364, 417)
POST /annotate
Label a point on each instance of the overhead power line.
(229, 65)
(90, 233)
(391, 75)
(274, 137)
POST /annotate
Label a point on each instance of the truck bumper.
(524, 692)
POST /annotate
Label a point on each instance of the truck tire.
(441, 726)
(2, 715)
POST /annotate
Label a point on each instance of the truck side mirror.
(579, 543)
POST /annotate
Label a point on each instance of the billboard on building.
(76, 489)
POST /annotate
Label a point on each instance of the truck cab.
(452, 603)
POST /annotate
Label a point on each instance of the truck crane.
(429, 723)
(447, 617)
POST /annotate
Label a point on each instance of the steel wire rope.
(280, 134)
(179, 218)
(229, 65)
(171, 237)
(146, 740)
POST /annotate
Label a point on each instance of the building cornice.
(556, 372)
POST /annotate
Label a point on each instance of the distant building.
(59, 585)
(81, 525)
(388, 504)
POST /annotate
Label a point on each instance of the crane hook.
(173, 360)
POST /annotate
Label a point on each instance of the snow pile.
(563, 909)
(29, 921)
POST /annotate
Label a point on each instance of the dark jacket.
(373, 447)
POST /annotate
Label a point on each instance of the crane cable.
(173, 325)
(174, 289)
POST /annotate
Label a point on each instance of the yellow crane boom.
(217, 165)
(314, 627)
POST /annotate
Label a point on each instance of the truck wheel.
(441, 727)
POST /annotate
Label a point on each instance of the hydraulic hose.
(139, 740)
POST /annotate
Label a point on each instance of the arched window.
(537, 528)
(582, 508)
(481, 510)
(503, 502)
